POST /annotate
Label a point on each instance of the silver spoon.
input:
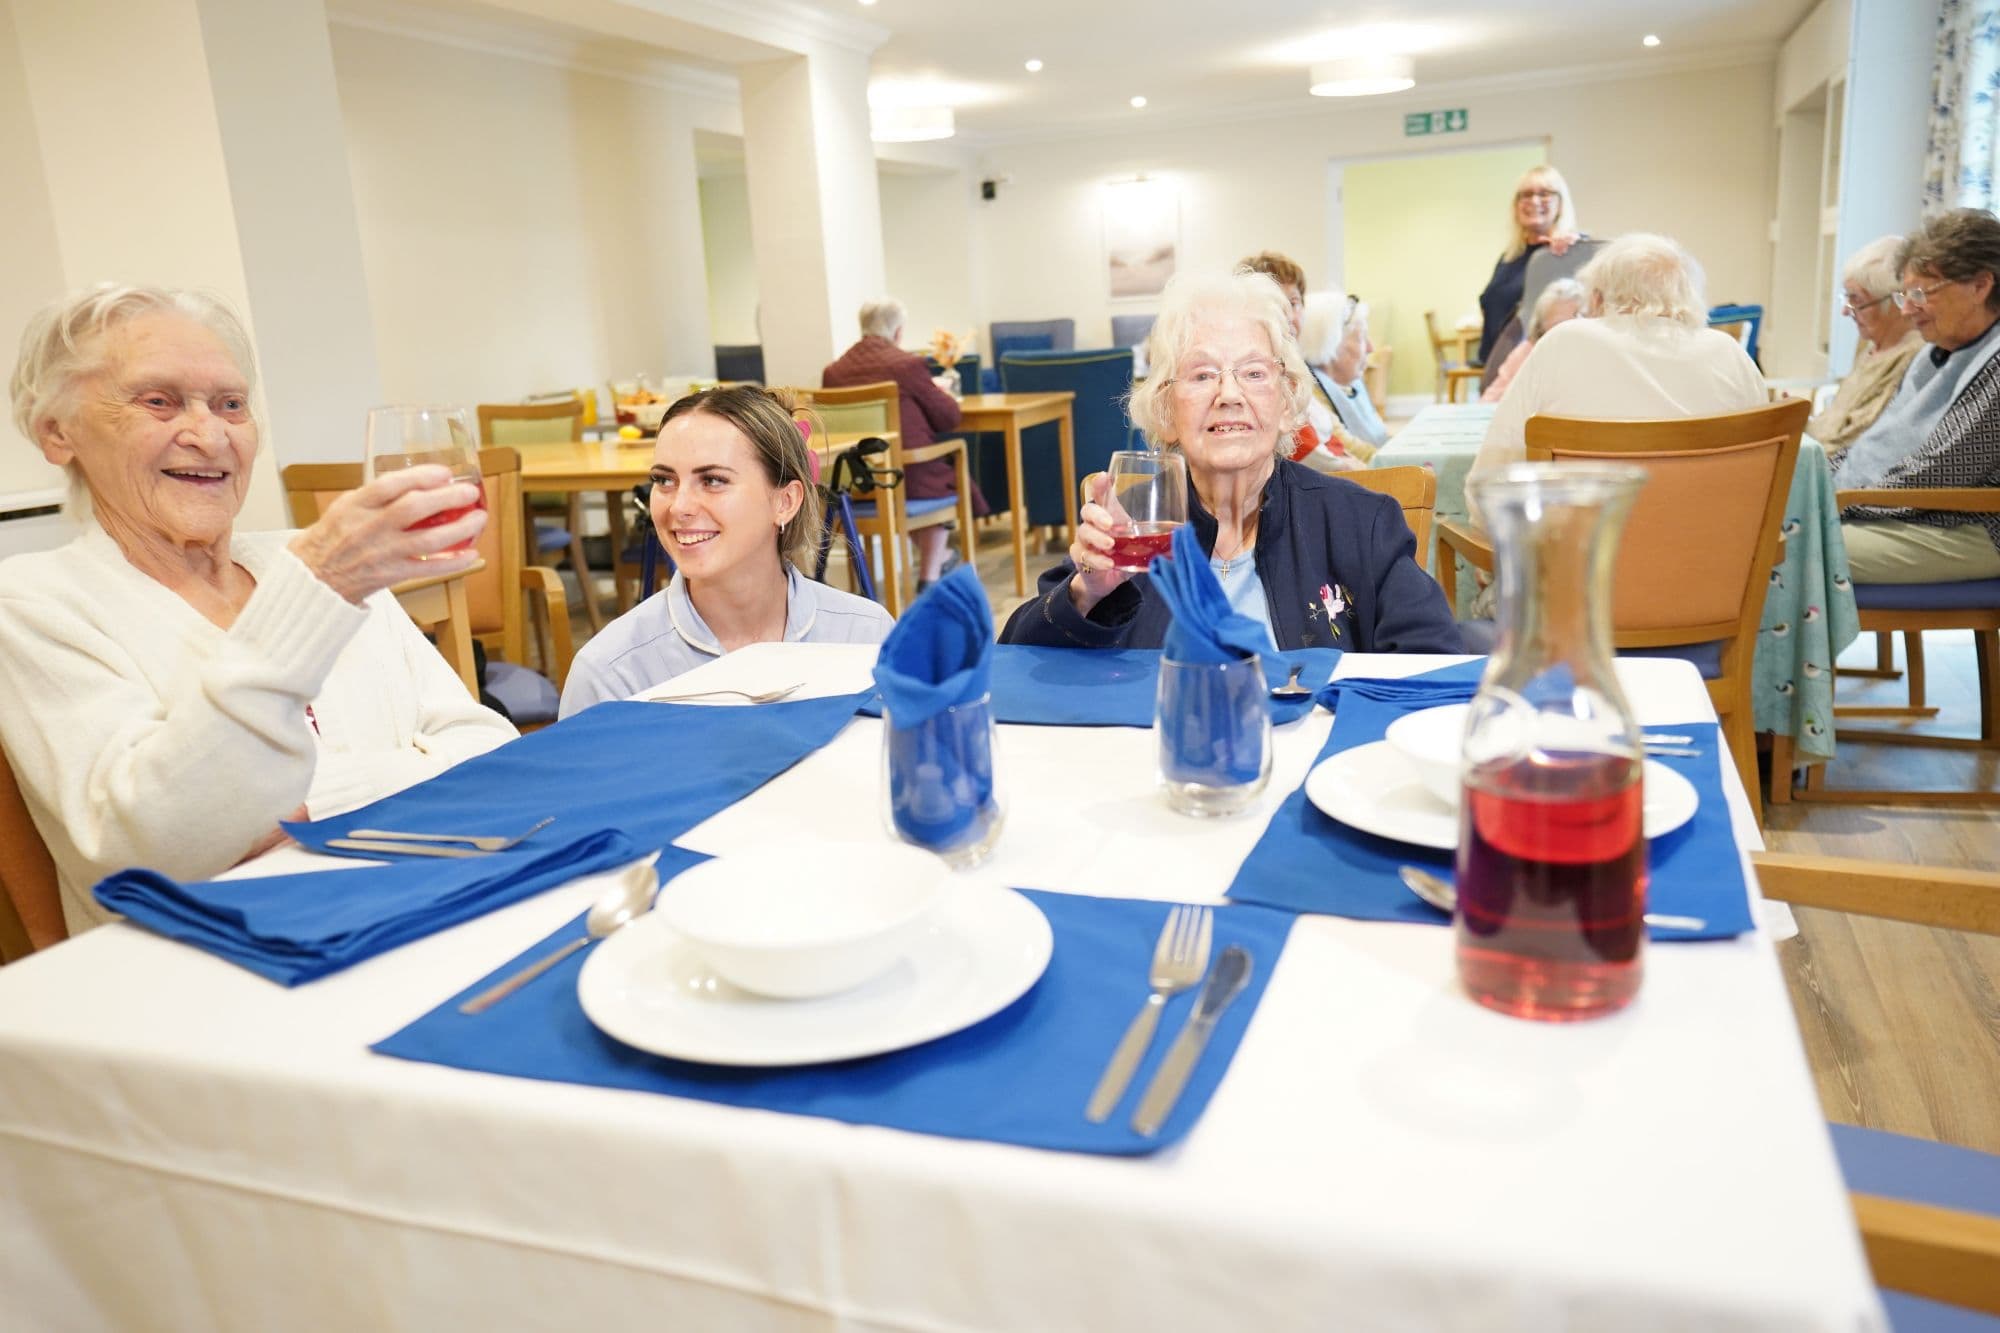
(1443, 895)
(1291, 689)
(625, 901)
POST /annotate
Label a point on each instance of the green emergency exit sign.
(1450, 121)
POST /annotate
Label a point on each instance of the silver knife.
(1225, 983)
(400, 848)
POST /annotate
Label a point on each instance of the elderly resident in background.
(1942, 429)
(1560, 302)
(1318, 560)
(1322, 441)
(170, 688)
(927, 411)
(735, 505)
(1334, 339)
(1889, 342)
(1643, 352)
(1541, 215)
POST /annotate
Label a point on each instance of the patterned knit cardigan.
(1962, 450)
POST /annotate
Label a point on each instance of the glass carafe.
(1552, 845)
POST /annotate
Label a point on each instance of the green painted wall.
(1422, 234)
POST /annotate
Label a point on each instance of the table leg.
(454, 636)
(1065, 425)
(1017, 507)
(621, 581)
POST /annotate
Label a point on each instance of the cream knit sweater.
(141, 734)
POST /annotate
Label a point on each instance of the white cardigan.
(142, 734)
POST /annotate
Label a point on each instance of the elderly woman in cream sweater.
(170, 689)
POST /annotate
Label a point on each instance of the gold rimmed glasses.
(1916, 298)
(1850, 307)
(1256, 377)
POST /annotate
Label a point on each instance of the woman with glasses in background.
(1318, 560)
(1542, 215)
(1889, 341)
(1942, 428)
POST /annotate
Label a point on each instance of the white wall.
(524, 227)
(1683, 153)
(31, 272)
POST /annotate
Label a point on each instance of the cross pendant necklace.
(1242, 544)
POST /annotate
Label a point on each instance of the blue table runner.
(1022, 1076)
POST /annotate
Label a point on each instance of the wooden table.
(437, 605)
(1010, 414)
(614, 467)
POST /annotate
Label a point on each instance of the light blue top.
(1920, 402)
(1355, 409)
(1245, 592)
(664, 636)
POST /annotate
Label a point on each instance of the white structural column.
(198, 143)
(815, 209)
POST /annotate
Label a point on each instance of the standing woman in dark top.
(1543, 215)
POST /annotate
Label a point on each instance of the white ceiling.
(1190, 59)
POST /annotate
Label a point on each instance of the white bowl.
(648, 416)
(806, 919)
(1433, 740)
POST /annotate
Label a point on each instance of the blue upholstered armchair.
(1101, 381)
(1037, 335)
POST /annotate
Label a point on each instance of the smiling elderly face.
(161, 431)
(1226, 424)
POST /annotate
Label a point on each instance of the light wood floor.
(1901, 1023)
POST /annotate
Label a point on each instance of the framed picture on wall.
(1141, 237)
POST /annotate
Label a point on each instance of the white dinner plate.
(1375, 789)
(978, 951)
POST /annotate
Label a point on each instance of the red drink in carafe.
(1552, 884)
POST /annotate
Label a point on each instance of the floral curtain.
(1963, 150)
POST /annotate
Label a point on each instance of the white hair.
(1553, 295)
(883, 317)
(1325, 323)
(1643, 274)
(1189, 304)
(1873, 268)
(64, 344)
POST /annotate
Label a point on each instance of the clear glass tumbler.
(1213, 721)
(940, 789)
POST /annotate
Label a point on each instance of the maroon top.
(926, 410)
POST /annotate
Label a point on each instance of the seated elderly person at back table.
(1643, 352)
(1942, 429)
(1320, 561)
(1560, 302)
(169, 688)
(1333, 336)
(927, 412)
(1889, 344)
(735, 505)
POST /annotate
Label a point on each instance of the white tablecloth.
(184, 1145)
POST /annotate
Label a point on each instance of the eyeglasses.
(1916, 298)
(1536, 194)
(1256, 378)
(1848, 306)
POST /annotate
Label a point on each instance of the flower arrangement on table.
(946, 348)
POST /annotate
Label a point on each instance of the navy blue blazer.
(1313, 531)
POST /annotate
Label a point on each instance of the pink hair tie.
(805, 429)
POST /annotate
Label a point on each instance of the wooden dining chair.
(1695, 559)
(1414, 488)
(877, 408)
(1910, 609)
(1907, 1193)
(31, 915)
(1452, 371)
(561, 537)
(495, 594)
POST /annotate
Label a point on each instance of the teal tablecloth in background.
(1809, 614)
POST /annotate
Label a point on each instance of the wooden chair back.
(1414, 488)
(530, 423)
(1942, 1254)
(31, 915)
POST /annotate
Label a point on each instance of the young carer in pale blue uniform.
(735, 506)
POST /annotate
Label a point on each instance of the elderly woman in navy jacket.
(1320, 561)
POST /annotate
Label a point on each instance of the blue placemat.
(1113, 687)
(293, 928)
(1309, 862)
(651, 770)
(1022, 1076)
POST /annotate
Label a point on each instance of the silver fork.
(484, 843)
(1179, 959)
(768, 696)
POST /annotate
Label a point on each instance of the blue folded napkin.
(1309, 862)
(651, 770)
(293, 928)
(934, 673)
(1022, 1076)
(1205, 627)
(1115, 687)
